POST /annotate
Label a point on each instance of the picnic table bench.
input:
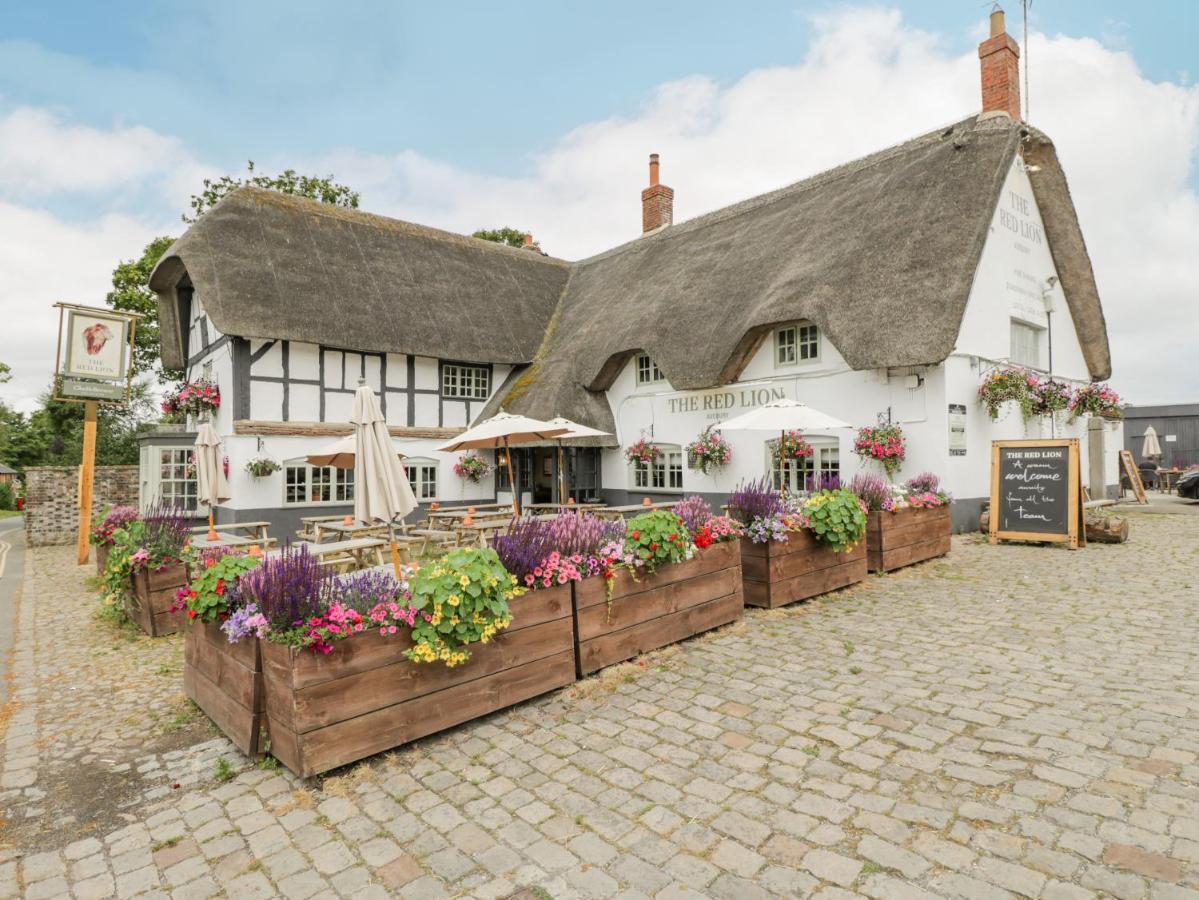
(357, 551)
(636, 509)
(224, 539)
(257, 530)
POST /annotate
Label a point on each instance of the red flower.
(191, 613)
(636, 535)
(219, 590)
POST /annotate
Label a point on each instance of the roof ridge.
(333, 211)
(820, 179)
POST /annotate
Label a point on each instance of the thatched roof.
(269, 265)
(880, 253)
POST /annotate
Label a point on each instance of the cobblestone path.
(1009, 721)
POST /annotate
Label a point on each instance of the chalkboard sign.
(1035, 491)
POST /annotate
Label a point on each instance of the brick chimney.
(657, 201)
(1000, 59)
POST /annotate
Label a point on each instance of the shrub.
(106, 525)
(694, 511)
(657, 538)
(836, 518)
(756, 500)
(873, 490)
(8, 499)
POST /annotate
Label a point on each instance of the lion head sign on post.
(92, 366)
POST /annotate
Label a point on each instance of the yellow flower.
(464, 581)
(454, 600)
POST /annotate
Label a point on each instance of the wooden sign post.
(1036, 492)
(1134, 476)
(94, 365)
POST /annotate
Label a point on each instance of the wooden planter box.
(674, 603)
(101, 557)
(150, 600)
(327, 710)
(897, 539)
(225, 680)
(780, 572)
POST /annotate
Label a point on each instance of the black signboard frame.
(1069, 534)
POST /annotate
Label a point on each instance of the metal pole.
(87, 474)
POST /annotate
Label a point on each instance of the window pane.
(786, 346)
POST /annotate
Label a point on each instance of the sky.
(541, 116)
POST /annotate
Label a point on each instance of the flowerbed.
(145, 566)
(105, 526)
(792, 551)
(907, 523)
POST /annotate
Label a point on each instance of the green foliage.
(836, 518)
(326, 190)
(465, 595)
(5, 372)
(224, 771)
(657, 538)
(7, 498)
(208, 594)
(513, 237)
(131, 293)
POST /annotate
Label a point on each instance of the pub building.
(886, 289)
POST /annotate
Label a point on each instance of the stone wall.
(52, 504)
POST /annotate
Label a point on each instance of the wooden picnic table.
(224, 539)
(357, 550)
(568, 507)
(257, 530)
(347, 532)
(636, 509)
(428, 536)
(469, 506)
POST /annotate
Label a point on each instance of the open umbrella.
(1152, 448)
(504, 430)
(381, 489)
(783, 416)
(210, 473)
(340, 454)
(575, 430)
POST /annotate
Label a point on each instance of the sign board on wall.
(1036, 491)
(957, 429)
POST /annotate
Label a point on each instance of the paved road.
(1010, 721)
(12, 568)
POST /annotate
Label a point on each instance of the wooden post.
(512, 481)
(87, 476)
(1096, 457)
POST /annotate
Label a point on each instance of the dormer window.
(647, 370)
(796, 344)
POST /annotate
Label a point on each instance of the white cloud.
(45, 261)
(1129, 147)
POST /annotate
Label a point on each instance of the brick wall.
(52, 504)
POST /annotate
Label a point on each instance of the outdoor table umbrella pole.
(511, 479)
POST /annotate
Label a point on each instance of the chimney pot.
(657, 201)
(999, 58)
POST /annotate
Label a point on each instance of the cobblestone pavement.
(1010, 721)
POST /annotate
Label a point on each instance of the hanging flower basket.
(472, 467)
(885, 444)
(709, 451)
(1005, 384)
(262, 467)
(1096, 400)
(790, 445)
(192, 398)
(644, 451)
(1051, 397)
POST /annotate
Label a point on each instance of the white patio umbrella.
(381, 489)
(504, 430)
(340, 454)
(213, 488)
(1152, 448)
(783, 416)
(575, 430)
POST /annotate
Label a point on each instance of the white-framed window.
(422, 477)
(811, 473)
(462, 382)
(304, 484)
(795, 344)
(1026, 344)
(647, 370)
(663, 474)
(177, 484)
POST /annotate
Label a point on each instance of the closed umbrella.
(783, 416)
(575, 431)
(212, 486)
(381, 489)
(502, 431)
(1152, 448)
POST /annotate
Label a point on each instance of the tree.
(5, 373)
(326, 190)
(131, 278)
(131, 292)
(513, 237)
